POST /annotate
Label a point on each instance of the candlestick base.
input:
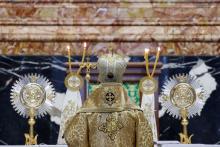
(184, 138)
(30, 140)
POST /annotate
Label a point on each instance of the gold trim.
(31, 139)
(33, 94)
(71, 75)
(111, 126)
(153, 88)
(182, 90)
(117, 109)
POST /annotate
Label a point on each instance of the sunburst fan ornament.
(182, 91)
(32, 96)
(32, 91)
(183, 97)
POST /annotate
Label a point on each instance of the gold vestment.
(108, 119)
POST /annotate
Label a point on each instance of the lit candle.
(84, 52)
(85, 44)
(158, 52)
(69, 57)
(146, 52)
(68, 49)
(159, 49)
(156, 61)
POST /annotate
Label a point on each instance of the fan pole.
(184, 138)
(30, 139)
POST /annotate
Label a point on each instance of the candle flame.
(147, 50)
(85, 44)
(68, 47)
(159, 49)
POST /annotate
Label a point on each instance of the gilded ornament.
(182, 91)
(183, 97)
(111, 126)
(148, 85)
(32, 96)
(110, 95)
(73, 81)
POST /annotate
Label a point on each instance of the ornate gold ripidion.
(32, 96)
(183, 97)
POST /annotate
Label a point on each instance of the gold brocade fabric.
(108, 119)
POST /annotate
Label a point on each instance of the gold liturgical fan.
(32, 96)
(183, 97)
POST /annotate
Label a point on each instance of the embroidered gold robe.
(108, 119)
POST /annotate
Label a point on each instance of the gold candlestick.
(156, 61)
(88, 65)
(69, 58)
(146, 54)
(148, 84)
(183, 97)
(28, 94)
(30, 139)
(73, 81)
(83, 58)
(184, 138)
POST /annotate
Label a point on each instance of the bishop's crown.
(111, 67)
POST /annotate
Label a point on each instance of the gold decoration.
(30, 139)
(32, 95)
(88, 65)
(73, 81)
(110, 94)
(183, 97)
(111, 126)
(28, 97)
(148, 85)
(184, 138)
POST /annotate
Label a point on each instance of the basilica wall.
(181, 27)
(34, 35)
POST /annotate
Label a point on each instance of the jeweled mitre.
(111, 67)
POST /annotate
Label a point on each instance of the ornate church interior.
(109, 73)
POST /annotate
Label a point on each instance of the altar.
(167, 50)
